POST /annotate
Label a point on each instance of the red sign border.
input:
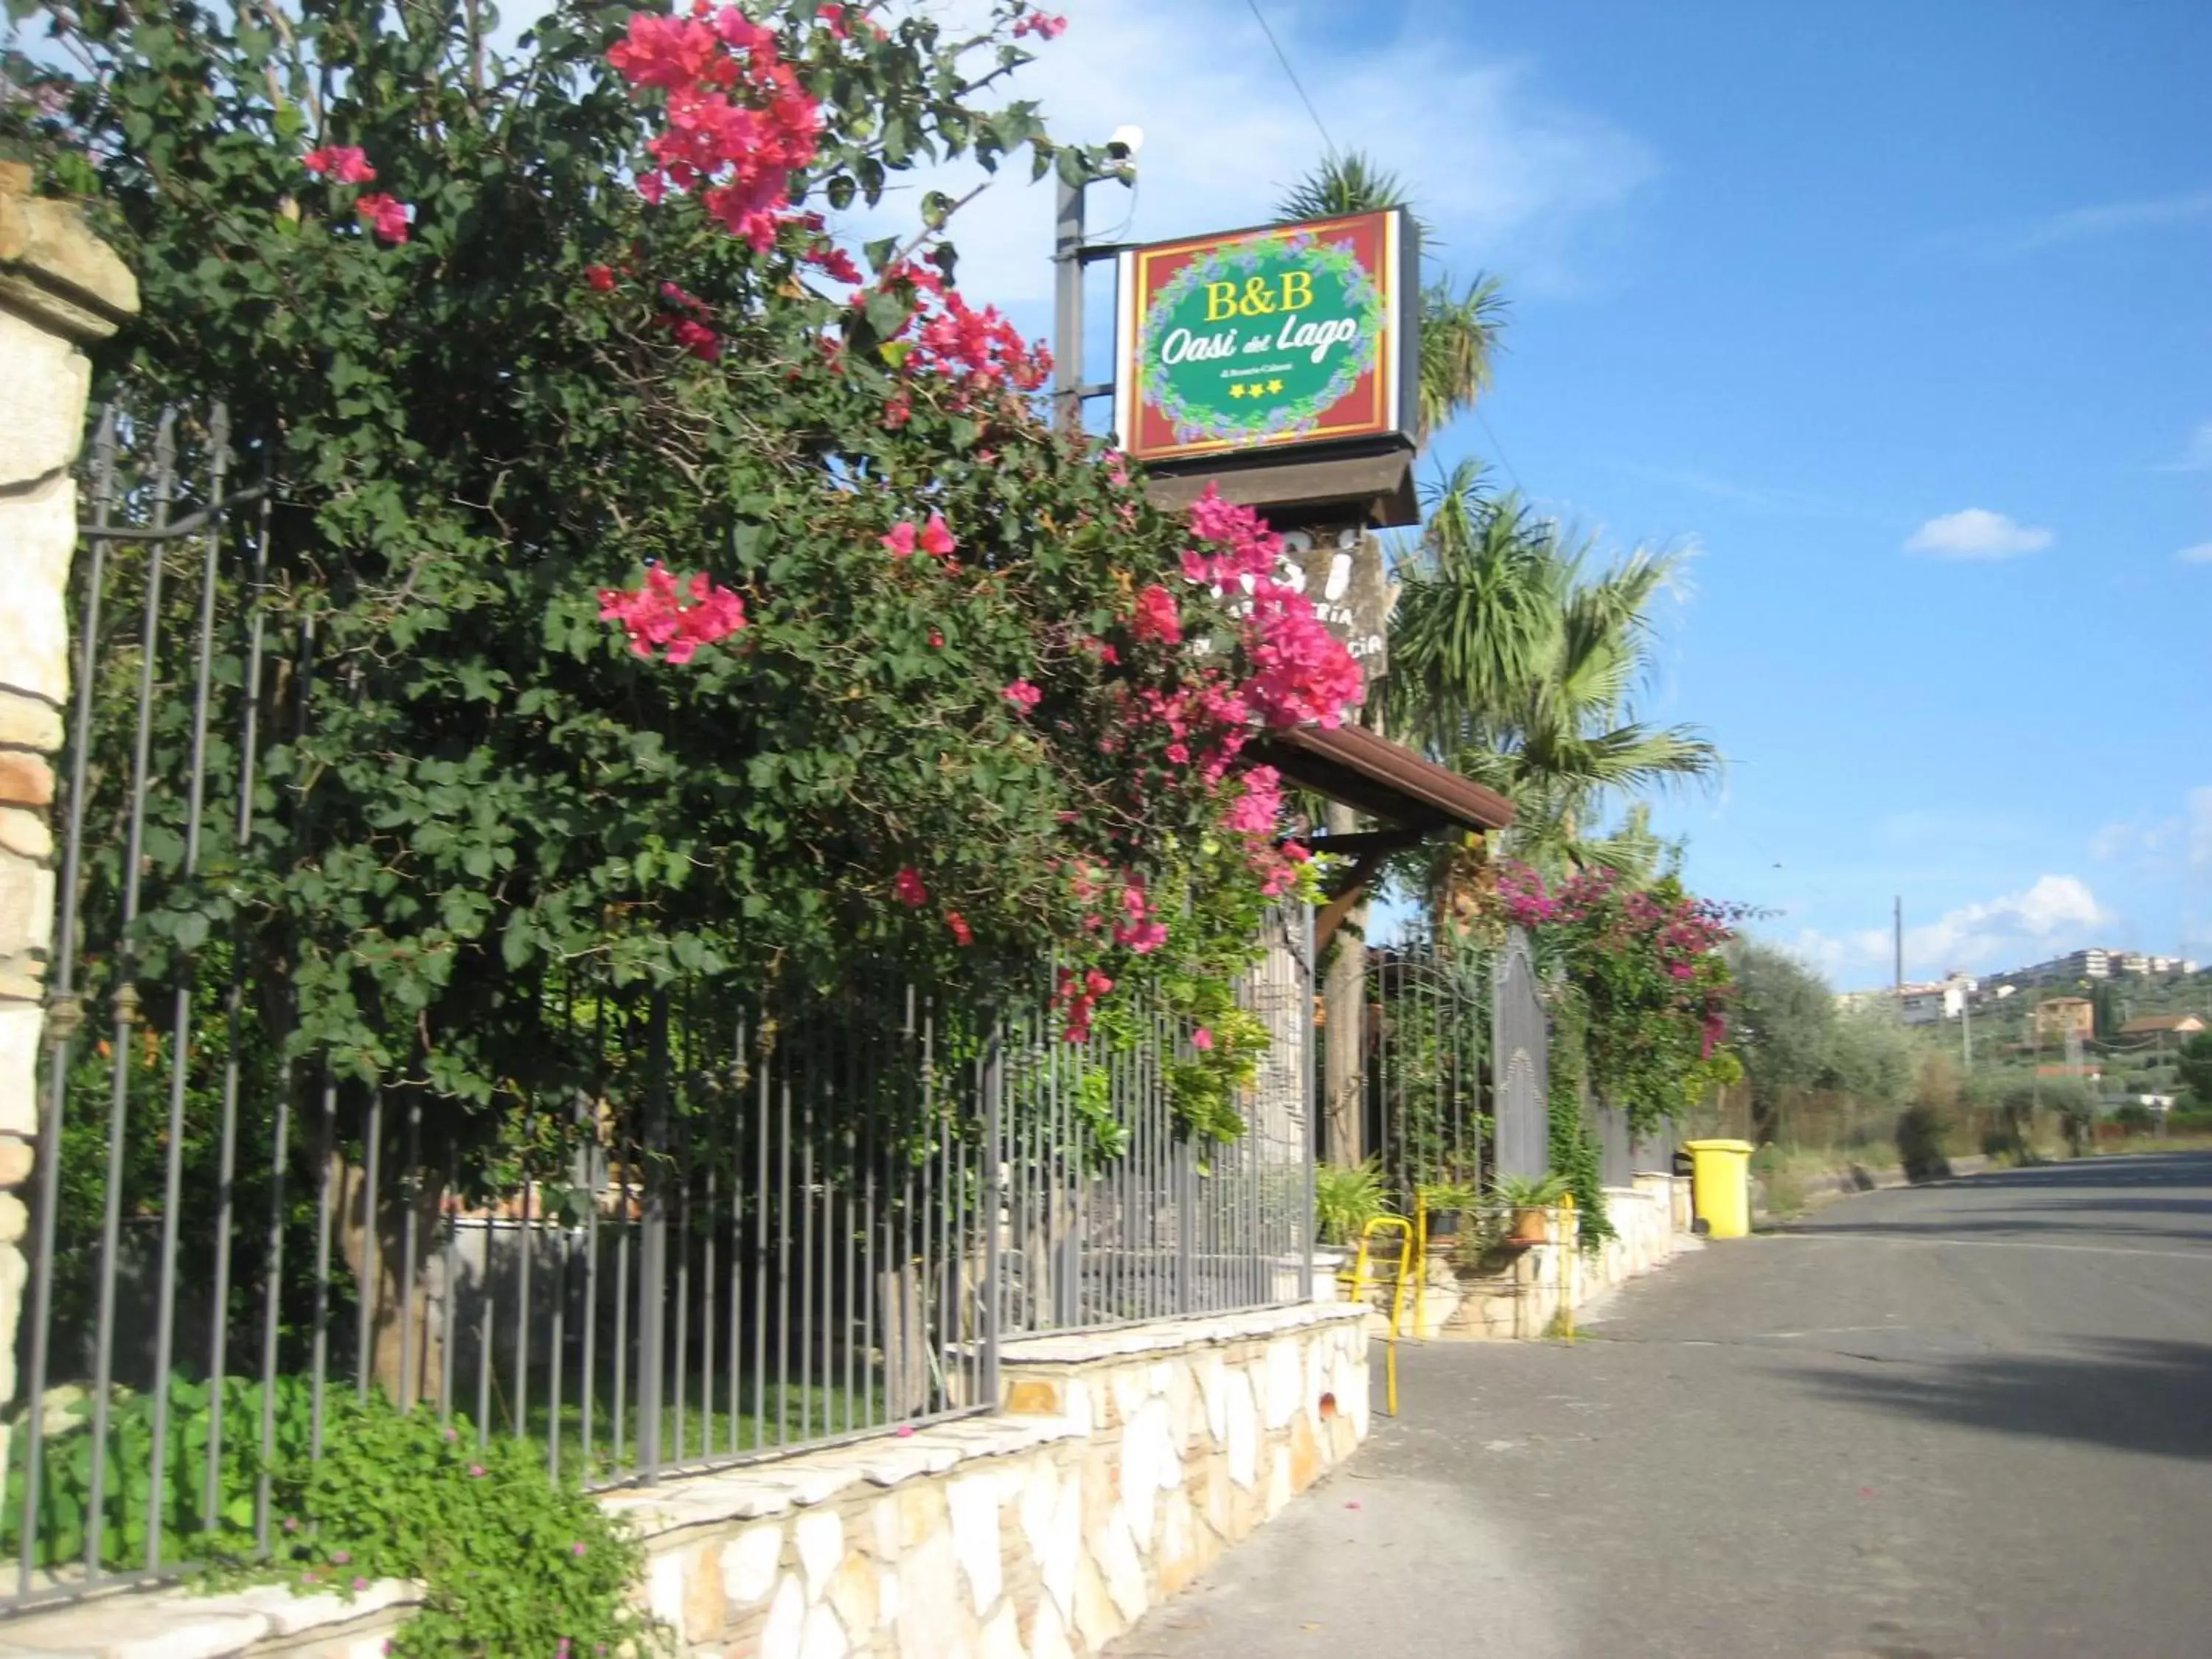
(1388, 376)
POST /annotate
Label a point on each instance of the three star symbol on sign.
(1255, 388)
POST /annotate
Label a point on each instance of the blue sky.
(1897, 318)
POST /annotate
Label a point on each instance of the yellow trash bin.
(1720, 1186)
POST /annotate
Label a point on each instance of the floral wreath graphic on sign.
(1361, 299)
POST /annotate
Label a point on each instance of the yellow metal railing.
(1407, 1233)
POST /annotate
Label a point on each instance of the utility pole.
(1901, 950)
(1069, 256)
(1967, 1026)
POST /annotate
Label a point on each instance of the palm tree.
(1459, 327)
(1515, 661)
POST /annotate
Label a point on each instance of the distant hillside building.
(2057, 1018)
(2092, 962)
(2164, 1026)
(2153, 1024)
(1936, 1002)
(2089, 962)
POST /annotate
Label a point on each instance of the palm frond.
(1458, 336)
(1347, 181)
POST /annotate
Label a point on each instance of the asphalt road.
(1972, 1418)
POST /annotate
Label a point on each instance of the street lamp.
(1078, 170)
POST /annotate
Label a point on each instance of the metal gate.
(1425, 1053)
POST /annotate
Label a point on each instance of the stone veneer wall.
(1124, 1463)
(61, 289)
(1519, 1299)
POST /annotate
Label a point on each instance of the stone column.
(61, 289)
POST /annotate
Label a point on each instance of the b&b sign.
(1288, 336)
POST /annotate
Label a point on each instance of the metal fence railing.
(751, 1222)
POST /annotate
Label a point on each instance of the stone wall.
(1123, 1464)
(1518, 1294)
(60, 289)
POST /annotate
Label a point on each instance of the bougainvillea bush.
(692, 591)
(1644, 966)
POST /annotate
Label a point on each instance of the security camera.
(1125, 143)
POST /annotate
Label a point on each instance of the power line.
(1503, 460)
(1328, 143)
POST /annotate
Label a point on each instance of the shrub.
(513, 1559)
(1922, 1130)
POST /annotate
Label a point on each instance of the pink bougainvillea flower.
(897, 411)
(900, 542)
(344, 164)
(1156, 616)
(669, 52)
(834, 263)
(979, 354)
(599, 278)
(937, 539)
(1040, 24)
(1257, 806)
(936, 640)
(1202, 1039)
(833, 19)
(696, 338)
(907, 889)
(657, 620)
(740, 123)
(959, 924)
(386, 215)
(1024, 695)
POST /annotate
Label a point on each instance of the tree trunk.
(406, 1324)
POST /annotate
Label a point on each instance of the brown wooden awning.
(1382, 779)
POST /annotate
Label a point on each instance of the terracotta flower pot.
(1530, 1226)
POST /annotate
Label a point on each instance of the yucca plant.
(1346, 1197)
(1529, 1192)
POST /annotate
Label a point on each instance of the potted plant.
(1346, 1198)
(1444, 1203)
(1527, 1199)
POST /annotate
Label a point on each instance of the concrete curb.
(1824, 1189)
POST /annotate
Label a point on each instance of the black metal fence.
(754, 1223)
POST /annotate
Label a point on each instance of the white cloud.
(2082, 224)
(1509, 178)
(2147, 847)
(2056, 915)
(1845, 958)
(1977, 534)
(2199, 554)
(2111, 841)
(2196, 453)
